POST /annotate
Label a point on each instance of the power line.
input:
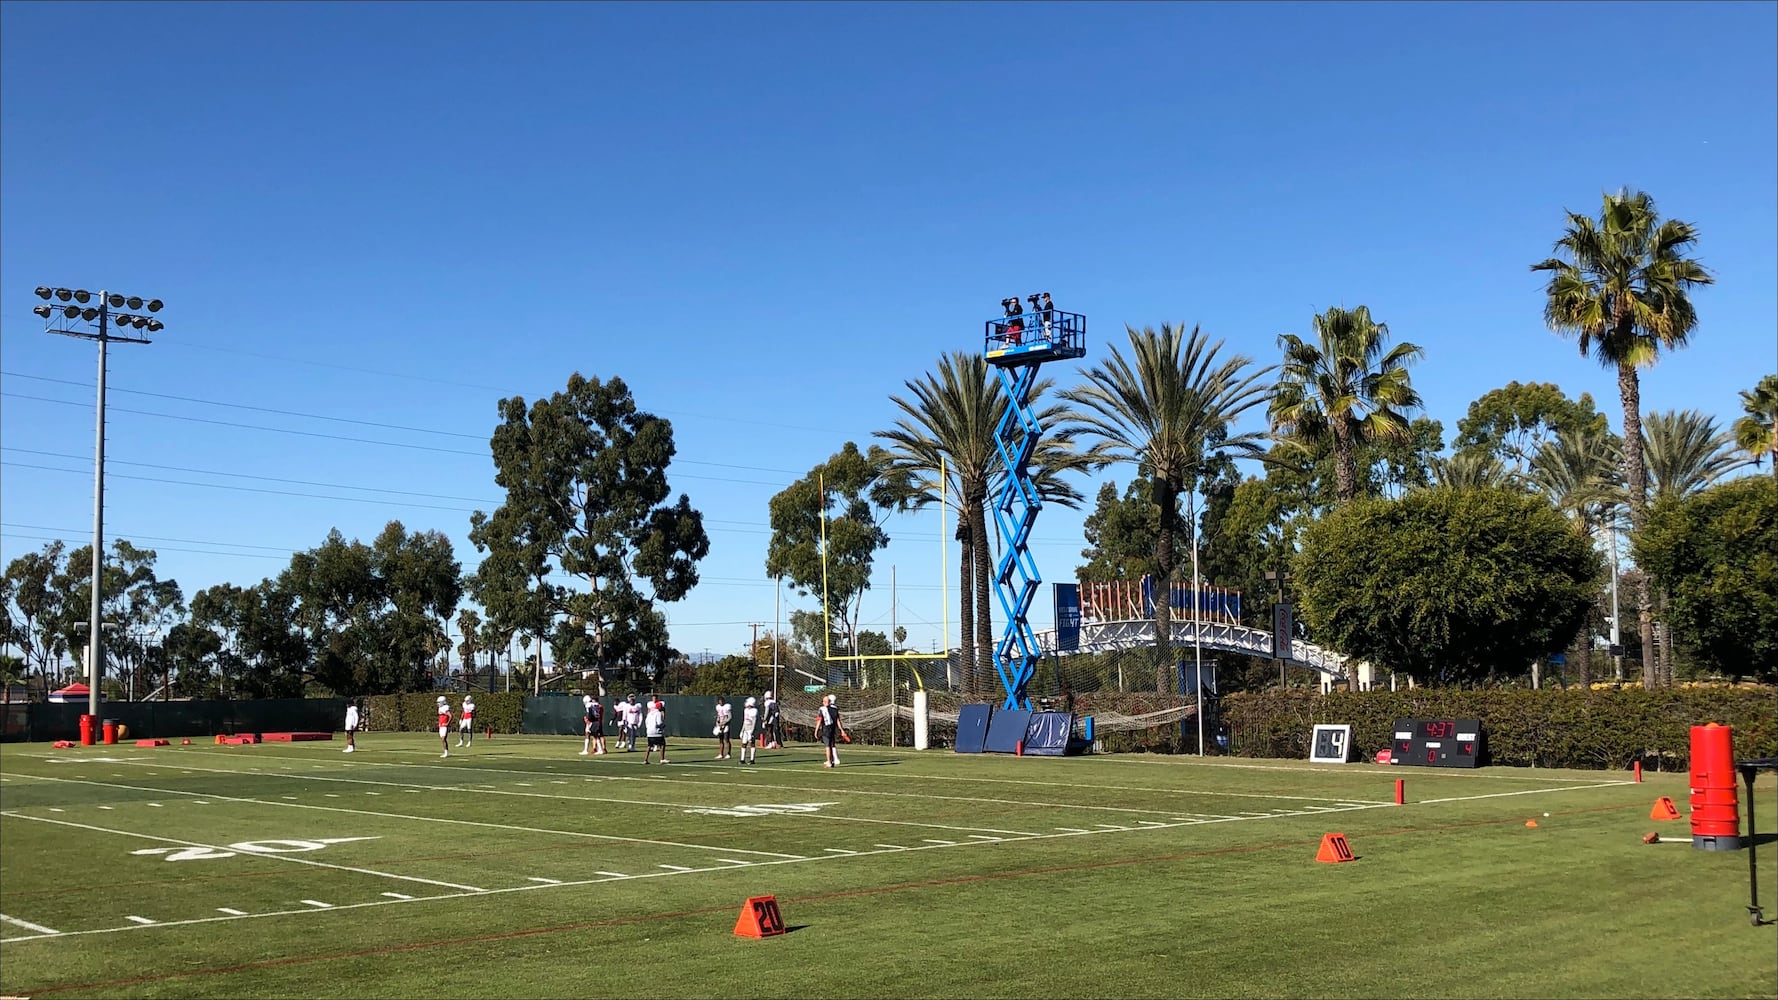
(343, 420)
(726, 418)
(201, 552)
(243, 475)
(356, 440)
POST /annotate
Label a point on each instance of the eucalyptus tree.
(826, 532)
(1621, 286)
(1162, 408)
(1346, 385)
(585, 475)
(1757, 431)
(947, 425)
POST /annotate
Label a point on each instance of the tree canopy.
(1447, 586)
(1716, 554)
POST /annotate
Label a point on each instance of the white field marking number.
(246, 847)
(765, 810)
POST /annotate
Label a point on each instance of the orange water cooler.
(1716, 820)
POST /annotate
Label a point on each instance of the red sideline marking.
(152, 743)
(391, 949)
(295, 737)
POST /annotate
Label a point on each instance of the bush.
(417, 711)
(1523, 728)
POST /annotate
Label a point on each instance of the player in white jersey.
(655, 727)
(724, 715)
(632, 722)
(466, 723)
(351, 726)
(444, 725)
(749, 721)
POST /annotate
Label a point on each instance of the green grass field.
(519, 869)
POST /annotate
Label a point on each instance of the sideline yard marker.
(759, 918)
(1664, 809)
(1334, 849)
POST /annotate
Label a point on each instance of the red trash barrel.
(1716, 820)
(109, 728)
(86, 729)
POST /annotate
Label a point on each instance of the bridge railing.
(1101, 637)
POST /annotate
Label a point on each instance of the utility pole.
(60, 320)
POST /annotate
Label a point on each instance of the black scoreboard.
(1437, 742)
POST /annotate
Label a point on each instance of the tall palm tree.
(949, 421)
(1161, 409)
(1347, 385)
(1685, 452)
(1473, 470)
(1580, 472)
(1620, 285)
(1757, 432)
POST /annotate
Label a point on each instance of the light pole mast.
(65, 320)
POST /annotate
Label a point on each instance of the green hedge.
(1523, 728)
(417, 712)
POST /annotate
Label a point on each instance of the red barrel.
(109, 728)
(86, 729)
(1716, 818)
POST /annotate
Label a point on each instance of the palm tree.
(949, 422)
(1473, 470)
(1579, 471)
(1684, 452)
(1619, 285)
(1344, 385)
(1161, 409)
(1757, 432)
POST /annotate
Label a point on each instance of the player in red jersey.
(444, 725)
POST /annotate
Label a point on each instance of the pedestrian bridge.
(1138, 633)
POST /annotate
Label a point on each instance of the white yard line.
(414, 787)
(427, 819)
(144, 921)
(242, 913)
(27, 925)
(248, 854)
(1527, 791)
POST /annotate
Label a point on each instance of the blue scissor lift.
(1016, 346)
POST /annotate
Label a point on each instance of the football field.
(517, 868)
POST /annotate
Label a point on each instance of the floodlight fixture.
(135, 302)
(156, 326)
(43, 311)
(115, 299)
(139, 322)
(89, 314)
(44, 292)
(82, 296)
(64, 294)
(72, 312)
(155, 305)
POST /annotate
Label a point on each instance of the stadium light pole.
(77, 317)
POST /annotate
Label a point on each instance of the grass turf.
(529, 871)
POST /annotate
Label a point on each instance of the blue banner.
(1067, 616)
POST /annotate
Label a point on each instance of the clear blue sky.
(765, 218)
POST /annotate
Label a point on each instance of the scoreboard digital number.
(1437, 743)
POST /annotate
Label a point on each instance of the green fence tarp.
(42, 722)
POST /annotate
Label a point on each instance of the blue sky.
(765, 218)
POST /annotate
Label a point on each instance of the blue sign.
(1067, 616)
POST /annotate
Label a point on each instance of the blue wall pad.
(1048, 733)
(1006, 729)
(972, 728)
